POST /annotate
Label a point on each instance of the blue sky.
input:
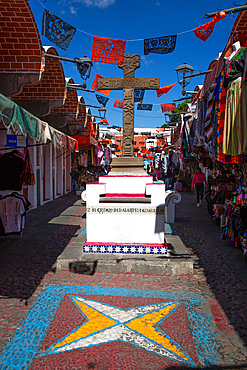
(137, 20)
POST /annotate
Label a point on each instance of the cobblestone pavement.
(66, 320)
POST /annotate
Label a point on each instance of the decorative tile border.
(125, 248)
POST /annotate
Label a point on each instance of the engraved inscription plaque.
(128, 84)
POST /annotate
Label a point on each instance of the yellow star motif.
(136, 326)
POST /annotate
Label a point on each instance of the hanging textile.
(108, 50)
(235, 129)
(164, 90)
(160, 45)
(118, 104)
(144, 106)
(203, 32)
(221, 118)
(56, 30)
(95, 86)
(236, 67)
(27, 176)
(209, 112)
(102, 99)
(168, 107)
(139, 95)
(11, 165)
(92, 128)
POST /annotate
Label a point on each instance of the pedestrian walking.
(74, 178)
(197, 181)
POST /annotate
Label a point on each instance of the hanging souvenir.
(102, 99)
(108, 50)
(144, 106)
(95, 86)
(56, 30)
(118, 104)
(164, 90)
(139, 95)
(160, 45)
(203, 32)
(168, 107)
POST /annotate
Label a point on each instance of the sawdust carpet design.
(126, 327)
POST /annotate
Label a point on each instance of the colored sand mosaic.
(75, 326)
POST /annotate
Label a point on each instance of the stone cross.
(128, 84)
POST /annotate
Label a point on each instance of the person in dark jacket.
(74, 178)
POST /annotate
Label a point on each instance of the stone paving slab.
(196, 320)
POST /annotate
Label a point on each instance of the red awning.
(85, 141)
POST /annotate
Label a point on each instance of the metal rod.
(79, 88)
(79, 61)
(186, 97)
(197, 74)
(227, 11)
(87, 105)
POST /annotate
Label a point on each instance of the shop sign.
(17, 141)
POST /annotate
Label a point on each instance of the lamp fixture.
(84, 66)
(182, 76)
(101, 110)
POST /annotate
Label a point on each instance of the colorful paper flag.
(102, 99)
(118, 104)
(168, 107)
(139, 95)
(106, 50)
(56, 30)
(95, 86)
(160, 45)
(144, 106)
(203, 32)
(164, 90)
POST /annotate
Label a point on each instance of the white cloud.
(73, 10)
(158, 3)
(97, 3)
(146, 61)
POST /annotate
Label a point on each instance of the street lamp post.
(182, 76)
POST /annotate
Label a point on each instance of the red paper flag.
(95, 86)
(105, 121)
(108, 50)
(118, 104)
(168, 107)
(203, 32)
(164, 90)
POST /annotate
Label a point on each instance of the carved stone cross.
(128, 84)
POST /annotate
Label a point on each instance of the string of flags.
(106, 50)
(111, 51)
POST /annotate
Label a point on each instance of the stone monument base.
(128, 166)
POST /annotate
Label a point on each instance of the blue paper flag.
(139, 95)
(102, 99)
(56, 30)
(144, 106)
(160, 45)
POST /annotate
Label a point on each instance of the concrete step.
(177, 262)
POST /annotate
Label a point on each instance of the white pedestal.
(134, 219)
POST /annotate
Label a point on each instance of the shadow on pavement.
(47, 235)
(213, 367)
(219, 265)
